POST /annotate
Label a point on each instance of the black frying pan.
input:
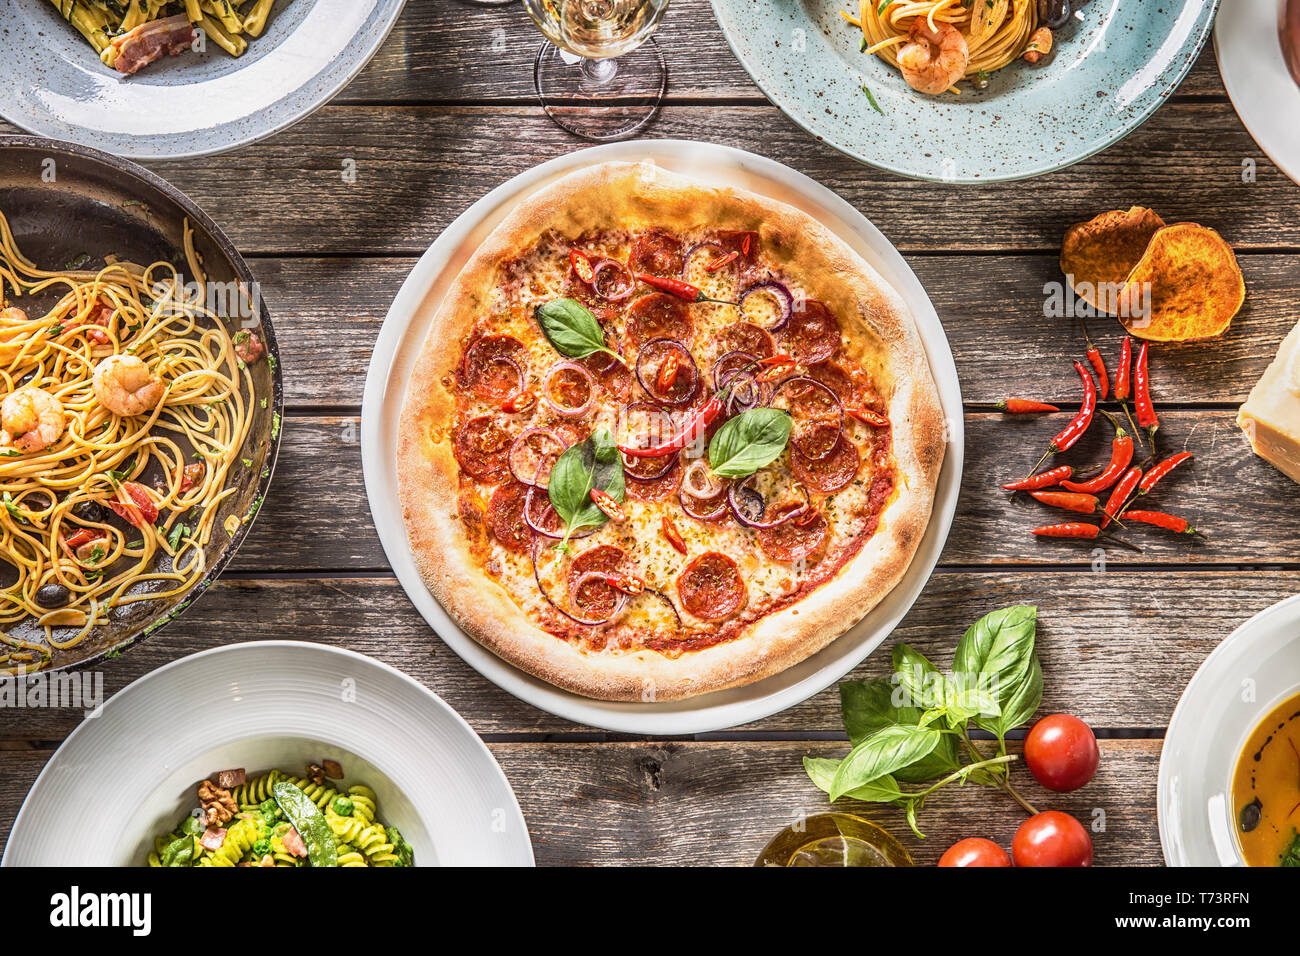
(65, 202)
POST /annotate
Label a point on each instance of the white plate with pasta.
(168, 79)
(433, 790)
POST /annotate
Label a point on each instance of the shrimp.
(933, 60)
(31, 420)
(125, 386)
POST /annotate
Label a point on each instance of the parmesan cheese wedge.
(1271, 416)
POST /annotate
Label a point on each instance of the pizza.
(664, 437)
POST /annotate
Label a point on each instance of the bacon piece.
(293, 842)
(230, 779)
(151, 41)
(213, 838)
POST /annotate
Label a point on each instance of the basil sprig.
(915, 726)
(590, 465)
(571, 329)
(749, 441)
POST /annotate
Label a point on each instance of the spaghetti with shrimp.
(120, 377)
(993, 33)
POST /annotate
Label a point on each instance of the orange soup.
(1266, 789)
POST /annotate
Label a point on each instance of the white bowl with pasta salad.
(392, 774)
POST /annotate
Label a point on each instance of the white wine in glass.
(600, 75)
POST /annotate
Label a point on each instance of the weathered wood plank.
(719, 803)
(438, 48)
(1117, 647)
(328, 312)
(416, 168)
(317, 517)
(696, 803)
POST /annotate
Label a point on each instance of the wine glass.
(600, 75)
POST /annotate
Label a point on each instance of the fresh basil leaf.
(996, 651)
(1020, 707)
(939, 762)
(868, 706)
(892, 748)
(591, 464)
(821, 771)
(571, 328)
(920, 681)
(748, 442)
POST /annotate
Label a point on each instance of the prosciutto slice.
(150, 41)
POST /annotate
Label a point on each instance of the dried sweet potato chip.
(1097, 255)
(1191, 282)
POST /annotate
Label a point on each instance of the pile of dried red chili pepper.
(1061, 487)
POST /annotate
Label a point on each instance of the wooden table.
(445, 112)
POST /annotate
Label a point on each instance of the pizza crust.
(641, 195)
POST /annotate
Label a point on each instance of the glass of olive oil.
(833, 839)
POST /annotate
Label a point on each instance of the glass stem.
(597, 73)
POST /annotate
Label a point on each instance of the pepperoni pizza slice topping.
(506, 517)
(658, 315)
(812, 335)
(495, 367)
(802, 539)
(711, 588)
(831, 472)
(482, 447)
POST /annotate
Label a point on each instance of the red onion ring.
(781, 293)
(629, 464)
(667, 600)
(730, 363)
(587, 377)
(655, 348)
(536, 523)
(519, 468)
(537, 576)
(617, 295)
(706, 244)
(702, 507)
(738, 488)
(700, 481)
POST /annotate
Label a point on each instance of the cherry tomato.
(1052, 838)
(975, 851)
(1061, 752)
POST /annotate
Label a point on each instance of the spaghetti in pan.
(124, 409)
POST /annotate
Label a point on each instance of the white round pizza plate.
(1248, 49)
(1252, 671)
(263, 705)
(403, 335)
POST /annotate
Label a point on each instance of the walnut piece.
(218, 805)
(316, 774)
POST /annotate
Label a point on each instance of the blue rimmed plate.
(1112, 66)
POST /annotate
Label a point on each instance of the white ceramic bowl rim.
(1253, 629)
(515, 824)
